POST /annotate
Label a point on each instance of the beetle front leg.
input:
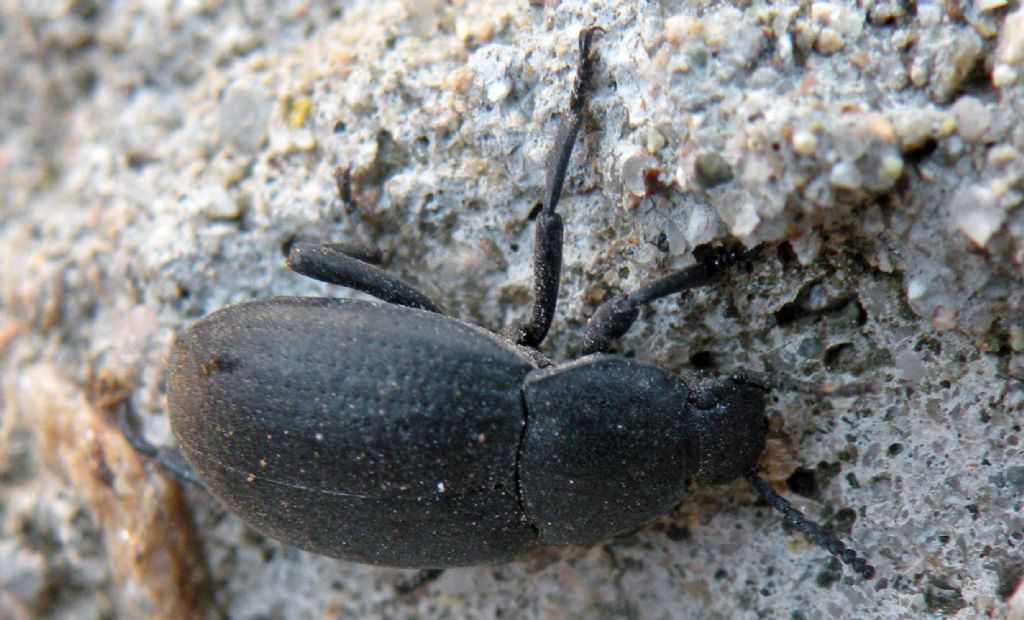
(614, 318)
(547, 245)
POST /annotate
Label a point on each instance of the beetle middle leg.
(547, 245)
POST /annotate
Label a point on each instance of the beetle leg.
(547, 244)
(420, 580)
(172, 461)
(331, 263)
(614, 318)
(362, 248)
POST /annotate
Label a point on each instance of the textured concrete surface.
(155, 158)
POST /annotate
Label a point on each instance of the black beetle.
(391, 434)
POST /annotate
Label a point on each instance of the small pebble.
(976, 213)
(985, 6)
(298, 111)
(972, 118)
(881, 128)
(1017, 338)
(634, 170)
(497, 90)
(1002, 154)
(892, 166)
(1003, 75)
(929, 12)
(954, 63)
(829, 41)
(22, 572)
(804, 143)
(681, 28)
(215, 204)
(915, 127)
(1010, 50)
(654, 141)
(910, 366)
(825, 12)
(844, 175)
(916, 289)
(944, 318)
(919, 72)
(712, 170)
(244, 115)
(1015, 603)
(473, 32)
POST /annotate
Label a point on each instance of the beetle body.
(386, 432)
(396, 436)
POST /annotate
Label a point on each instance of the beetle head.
(730, 427)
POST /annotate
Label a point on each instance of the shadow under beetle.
(391, 434)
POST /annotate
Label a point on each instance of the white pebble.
(973, 118)
(1003, 75)
(976, 213)
(804, 142)
(845, 175)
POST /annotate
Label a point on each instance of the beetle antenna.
(811, 530)
(775, 382)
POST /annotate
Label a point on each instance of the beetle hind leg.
(362, 246)
(170, 460)
(417, 582)
(331, 263)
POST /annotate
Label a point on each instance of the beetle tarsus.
(812, 530)
(343, 183)
(362, 247)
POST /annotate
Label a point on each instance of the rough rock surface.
(155, 158)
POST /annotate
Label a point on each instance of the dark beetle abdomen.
(359, 430)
